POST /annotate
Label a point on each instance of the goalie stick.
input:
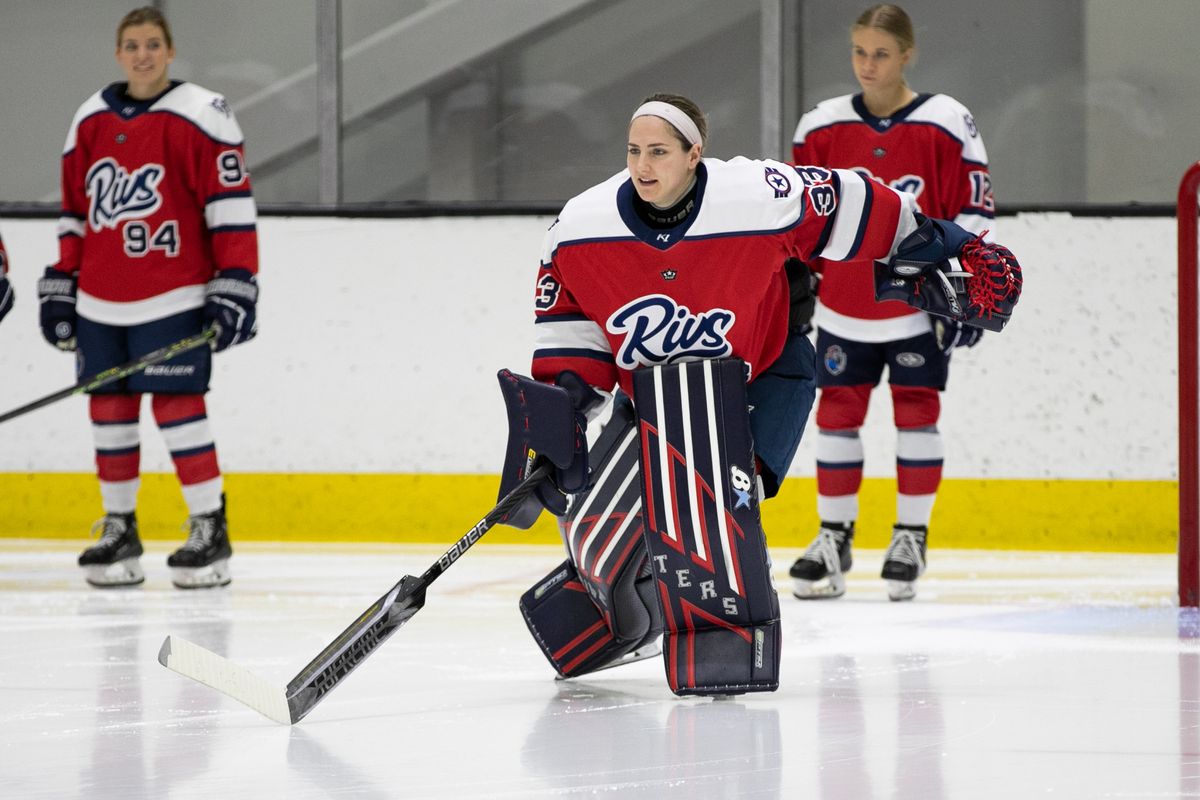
(289, 705)
(115, 373)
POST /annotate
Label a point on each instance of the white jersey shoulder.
(748, 195)
(591, 214)
(210, 111)
(92, 105)
(740, 195)
(956, 119)
(826, 113)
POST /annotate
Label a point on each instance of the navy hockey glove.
(230, 307)
(545, 422)
(982, 294)
(6, 296)
(950, 334)
(56, 294)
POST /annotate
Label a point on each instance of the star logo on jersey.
(120, 138)
(777, 181)
(879, 152)
(669, 274)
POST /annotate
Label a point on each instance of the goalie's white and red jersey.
(156, 199)
(930, 149)
(614, 294)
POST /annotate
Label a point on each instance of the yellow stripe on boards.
(1106, 516)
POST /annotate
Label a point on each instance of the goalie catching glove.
(546, 422)
(982, 294)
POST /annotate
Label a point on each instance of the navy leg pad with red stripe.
(701, 525)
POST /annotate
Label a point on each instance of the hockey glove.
(950, 334)
(56, 294)
(6, 296)
(982, 294)
(545, 422)
(230, 307)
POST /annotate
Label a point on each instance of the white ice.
(1012, 675)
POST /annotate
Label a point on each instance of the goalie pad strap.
(702, 527)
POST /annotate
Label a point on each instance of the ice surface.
(1013, 675)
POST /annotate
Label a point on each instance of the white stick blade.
(193, 661)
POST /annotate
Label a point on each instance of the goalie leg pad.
(703, 531)
(574, 634)
(600, 605)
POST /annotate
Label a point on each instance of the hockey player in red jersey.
(7, 296)
(676, 260)
(926, 145)
(157, 241)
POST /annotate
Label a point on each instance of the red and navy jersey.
(930, 149)
(614, 294)
(156, 199)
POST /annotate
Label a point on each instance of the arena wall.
(367, 408)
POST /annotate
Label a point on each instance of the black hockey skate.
(819, 573)
(113, 561)
(203, 561)
(904, 561)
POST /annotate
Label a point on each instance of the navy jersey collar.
(884, 124)
(127, 107)
(661, 238)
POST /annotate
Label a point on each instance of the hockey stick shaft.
(115, 373)
(392, 610)
(351, 647)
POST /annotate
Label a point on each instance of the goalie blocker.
(597, 609)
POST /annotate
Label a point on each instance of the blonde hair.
(688, 107)
(146, 15)
(889, 19)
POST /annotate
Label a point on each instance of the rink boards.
(367, 409)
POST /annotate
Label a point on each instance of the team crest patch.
(669, 274)
(910, 360)
(777, 181)
(835, 360)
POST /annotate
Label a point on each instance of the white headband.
(679, 120)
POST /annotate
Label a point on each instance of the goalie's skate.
(904, 561)
(203, 560)
(113, 561)
(820, 572)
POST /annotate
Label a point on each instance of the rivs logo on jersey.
(114, 194)
(658, 330)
